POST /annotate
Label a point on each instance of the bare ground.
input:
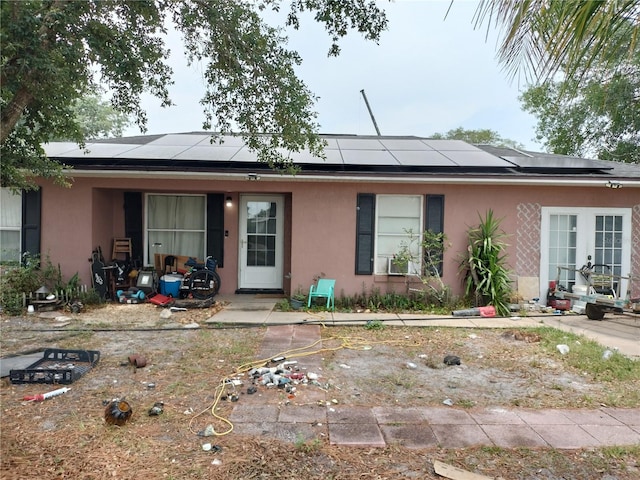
(66, 437)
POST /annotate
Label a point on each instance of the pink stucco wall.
(320, 233)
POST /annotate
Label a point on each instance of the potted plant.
(298, 299)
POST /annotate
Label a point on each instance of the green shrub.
(487, 277)
(24, 279)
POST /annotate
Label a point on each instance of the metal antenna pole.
(373, 119)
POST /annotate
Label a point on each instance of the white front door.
(571, 235)
(261, 242)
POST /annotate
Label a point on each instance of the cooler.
(170, 284)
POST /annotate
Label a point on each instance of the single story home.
(343, 217)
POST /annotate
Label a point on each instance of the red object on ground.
(488, 311)
(161, 300)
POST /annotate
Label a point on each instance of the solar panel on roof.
(155, 152)
(176, 140)
(404, 144)
(368, 157)
(359, 144)
(425, 158)
(443, 145)
(559, 162)
(476, 158)
(58, 148)
(227, 141)
(96, 150)
(333, 157)
(220, 153)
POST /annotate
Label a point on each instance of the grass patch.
(586, 356)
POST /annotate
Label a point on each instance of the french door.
(571, 237)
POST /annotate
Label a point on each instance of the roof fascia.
(430, 179)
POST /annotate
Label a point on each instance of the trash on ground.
(451, 360)
(57, 366)
(157, 409)
(563, 349)
(607, 354)
(45, 396)
(207, 432)
(411, 365)
(137, 360)
(118, 412)
(486, 312)
(448, 401)
(529, 337)
(455, 473)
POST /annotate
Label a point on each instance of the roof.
(346, 155)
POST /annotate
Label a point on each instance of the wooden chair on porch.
(121, 245)
(323, 289)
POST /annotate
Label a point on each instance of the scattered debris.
(485, 312)
(138, 361)
(157, 409)
(118, 412)
(455, 473)
(448, 402)
(451, 360)
(207, 432)
(529, 337)
(563, 349)
(45, 396)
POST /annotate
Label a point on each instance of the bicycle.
(202, 280)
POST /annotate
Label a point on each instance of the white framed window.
(175, 225)
(569, 236)
(396, 216)
(10, 226)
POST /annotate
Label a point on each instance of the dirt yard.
(66, 437)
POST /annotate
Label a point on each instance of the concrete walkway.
(619, 332)
(310, 415)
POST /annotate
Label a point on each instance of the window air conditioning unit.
(408, 269)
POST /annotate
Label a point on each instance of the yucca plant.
(487, 276)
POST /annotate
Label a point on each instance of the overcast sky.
(428, 74)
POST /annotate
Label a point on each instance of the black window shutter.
(434, 220)
(31, 221)
(365, 223)
(133, 223)
(215, 227)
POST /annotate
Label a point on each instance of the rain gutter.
(564, 181)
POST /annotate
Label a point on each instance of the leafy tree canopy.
(599, 119)
(97, 118)
(479, 137)
(541, 37)
(55, 52)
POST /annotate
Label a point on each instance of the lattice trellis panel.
(635, 251)
(528, 240)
